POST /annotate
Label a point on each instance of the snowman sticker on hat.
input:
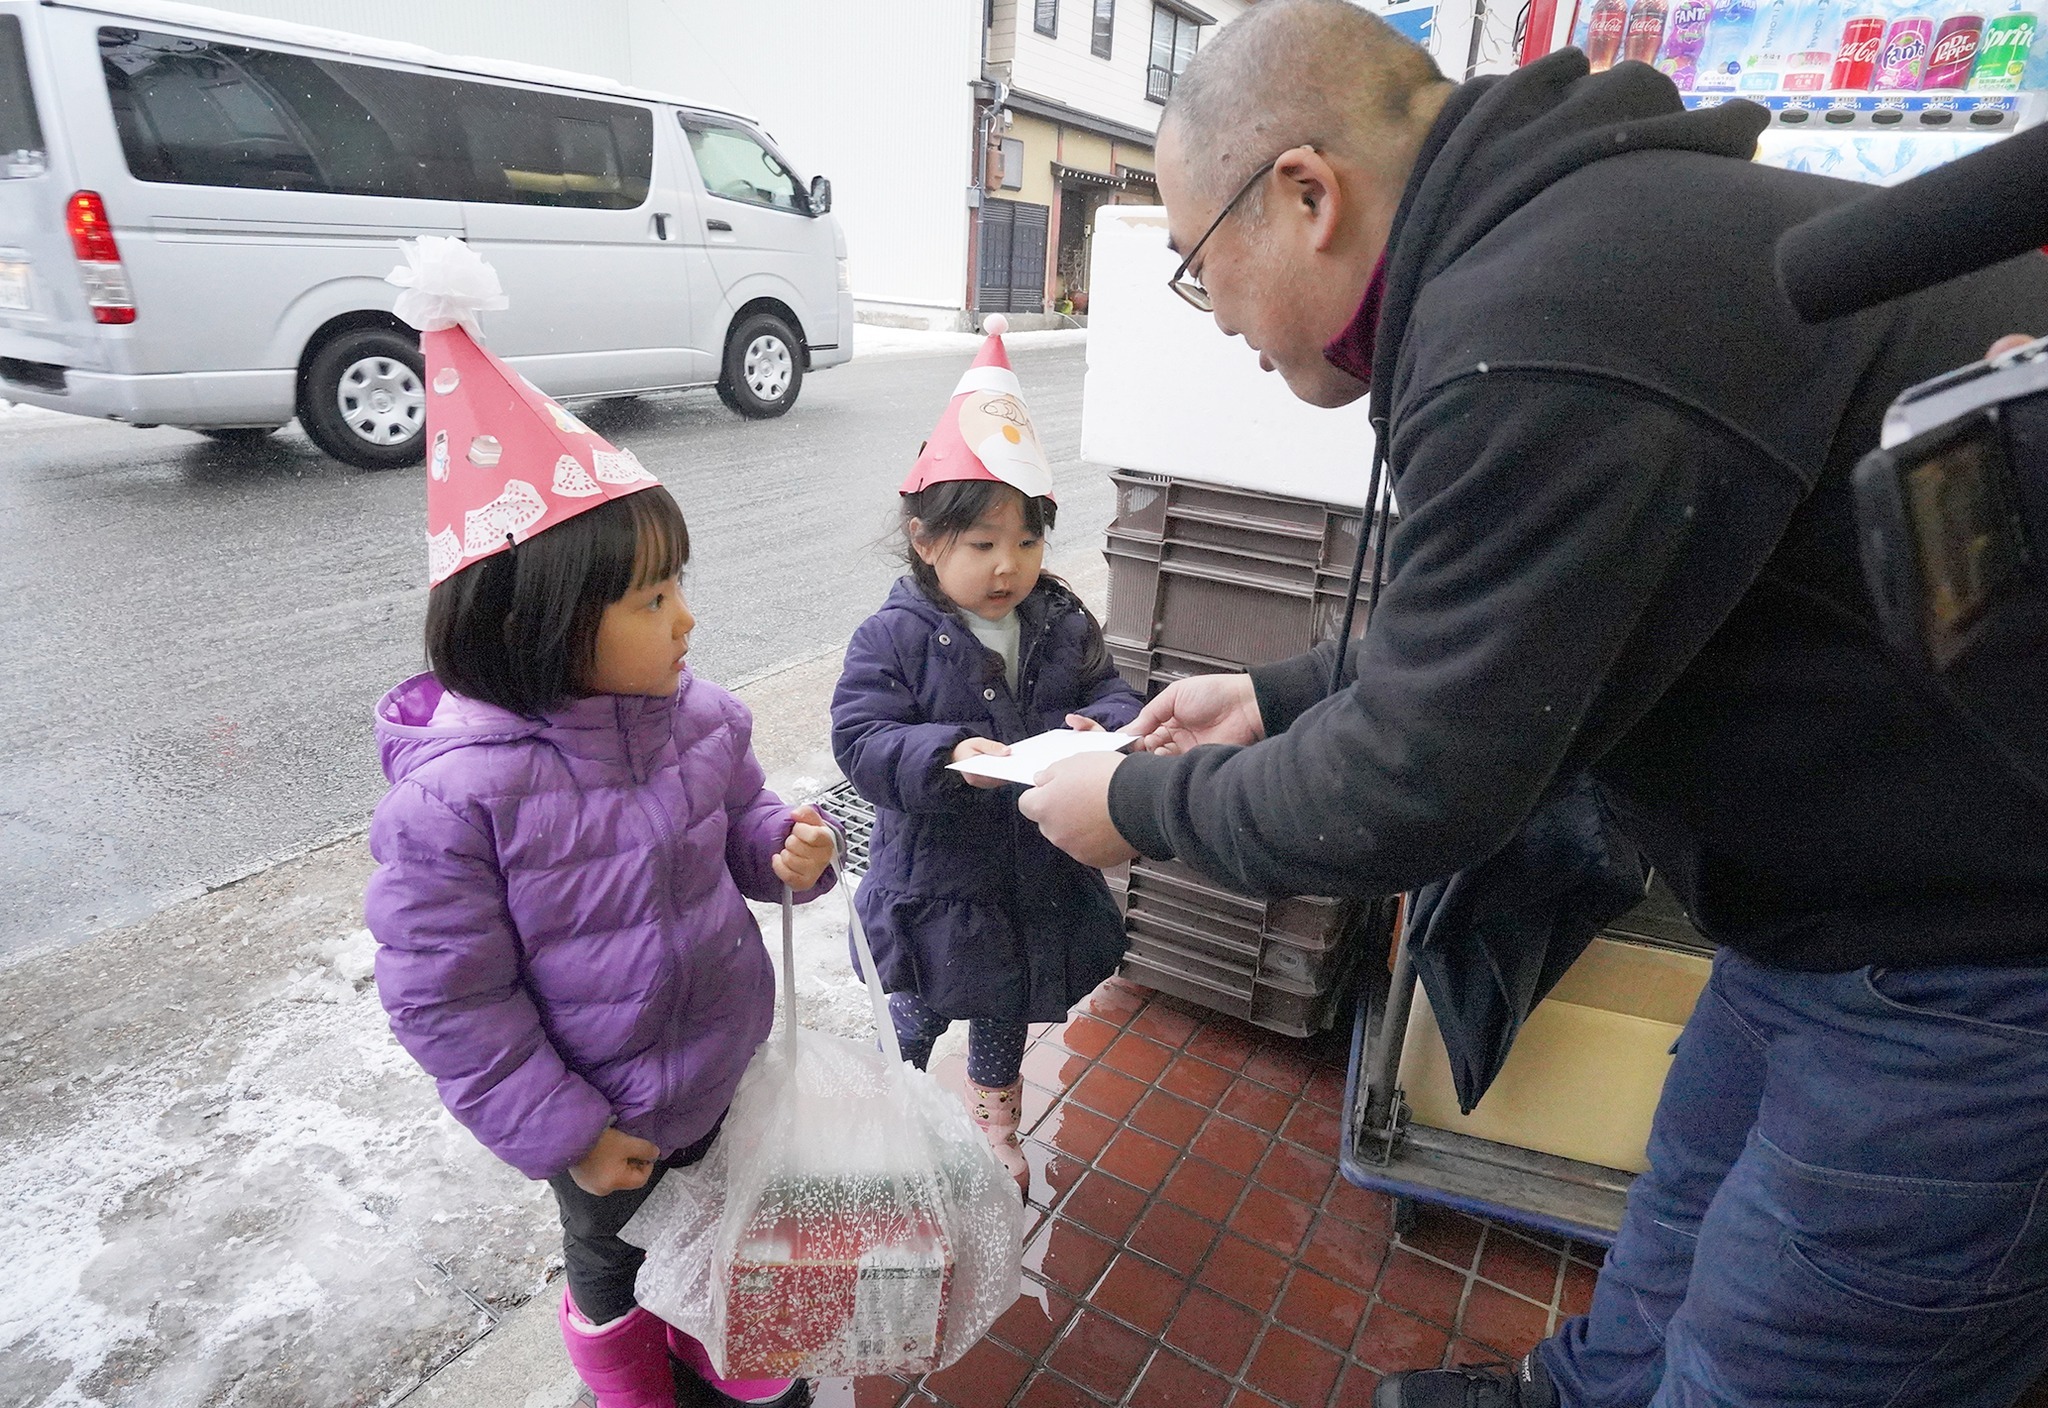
(505, 462)
(986, 433)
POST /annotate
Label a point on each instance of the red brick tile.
(1393, 1339)
(1047, 1390)
(1108, 1092)
(1286, 1071)
(1173, 1382)
(1505, 1322)
(1053, 1067)
(1194, 1079)
(1237, 1147)
(1313, 1127)
(1053, 1174)
(1447, 1236)
(985, 1377)
(1593, 1256)
(1290, 1370)
(1163, 1023)
(1247, 1274)
(1173, 1236)
(1432, 1291)
(1035, 1319)
(878, 1392)
(1085, 1036)
(1257, 1104)
(1326, 1088)
(1214, 1331)
(1251, 1398)
(1522, 1267)
(1323, 1309)
(1139, 1057)
(1356, 1388)
(1114, 1002)
(1203, 1188)
(1369, 1211)
(1344, 1253)
(1168, 1118)
(1075, 1131)
(1138, 1158)
(1578, 1289)
(1069, 1257)
(1224, 1042)
(1464, 1352)
(1140, 1292)
(1100, 1355)
(1103, 1204)
(1273, 1220)
(1297, 1173)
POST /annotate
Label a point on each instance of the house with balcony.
(1065, 116)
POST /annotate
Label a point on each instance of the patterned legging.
(995, 1048)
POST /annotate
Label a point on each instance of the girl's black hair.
(519, 629)
(942, 512)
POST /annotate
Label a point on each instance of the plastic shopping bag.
(849, 1220)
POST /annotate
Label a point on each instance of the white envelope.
(1026, 760)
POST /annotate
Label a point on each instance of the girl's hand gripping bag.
(850, 1219)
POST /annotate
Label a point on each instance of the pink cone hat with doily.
(985, 432)
(504, 462)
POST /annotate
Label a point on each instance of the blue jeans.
(1847, 1201)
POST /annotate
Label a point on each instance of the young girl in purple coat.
(973, 915)
(574, 826)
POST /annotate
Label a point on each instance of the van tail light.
(99, 259)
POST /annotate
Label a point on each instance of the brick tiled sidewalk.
(1192, 1245)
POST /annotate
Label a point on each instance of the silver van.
(197, 212)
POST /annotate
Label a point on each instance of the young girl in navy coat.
(973, 915)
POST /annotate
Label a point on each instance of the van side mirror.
(821, 195)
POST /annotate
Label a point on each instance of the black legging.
(600, 1265)
(995, 1048)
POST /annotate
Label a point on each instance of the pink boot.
(999, 1110)
(625, 1363)
(780, 1393)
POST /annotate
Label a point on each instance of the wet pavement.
(194, 636)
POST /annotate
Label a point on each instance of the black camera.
(1952, 508)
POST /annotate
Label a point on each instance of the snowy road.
(194, 638)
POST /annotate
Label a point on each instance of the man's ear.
(1311, 183)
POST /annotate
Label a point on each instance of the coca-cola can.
(1903, 64)
(1954, 53)
(1856, 59)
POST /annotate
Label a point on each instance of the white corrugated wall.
(872, 93)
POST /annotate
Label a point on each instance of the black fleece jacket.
(1627, 547)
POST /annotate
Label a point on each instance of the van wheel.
(764, 367)
(238, 437)
(364, 398)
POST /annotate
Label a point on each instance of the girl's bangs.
(661, 536)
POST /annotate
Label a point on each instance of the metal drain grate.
(857, 815)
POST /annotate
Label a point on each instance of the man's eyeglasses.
(1191, 288)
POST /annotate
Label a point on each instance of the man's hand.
(980, 747)
(806, 853)
(616, 1162)
(1070, 803)
(1205, 709)
(2010, 343)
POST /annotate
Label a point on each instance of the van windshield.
(21, 132)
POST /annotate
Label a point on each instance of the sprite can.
(2002, 62)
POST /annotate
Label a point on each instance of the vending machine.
(1868, 90)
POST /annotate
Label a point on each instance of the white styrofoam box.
(1168, 393)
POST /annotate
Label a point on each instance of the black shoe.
(1519, 1385)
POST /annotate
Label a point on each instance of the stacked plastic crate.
(1203, 579)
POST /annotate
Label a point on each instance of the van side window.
(21, 131)
(193, 112)
(738, 165)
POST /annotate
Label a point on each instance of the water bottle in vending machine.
(1815, 29)
(1763, 62)
(1720, 63)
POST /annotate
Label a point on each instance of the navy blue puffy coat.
(966, 904)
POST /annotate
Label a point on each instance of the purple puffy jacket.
(562, 940)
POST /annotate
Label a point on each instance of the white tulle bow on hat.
(446, 285)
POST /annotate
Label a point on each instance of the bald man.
(1627, 550)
